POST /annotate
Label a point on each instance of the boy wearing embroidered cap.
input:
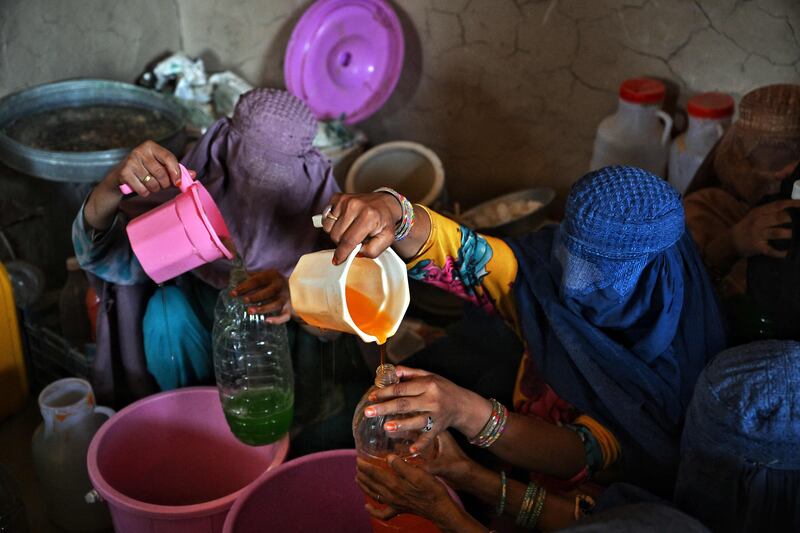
(749, 162)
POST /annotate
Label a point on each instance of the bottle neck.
(238, 273)
(386, 375)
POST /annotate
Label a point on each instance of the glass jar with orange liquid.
(374, 443)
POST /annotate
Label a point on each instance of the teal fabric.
(177, 346)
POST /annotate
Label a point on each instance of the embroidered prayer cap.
(762, 145)
(747, 405)
(773, 109)
(276, 119)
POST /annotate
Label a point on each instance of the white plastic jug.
(709, 115)
(319, 291)
(633, 135)
(59, 446)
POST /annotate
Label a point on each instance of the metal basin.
(76, 165)
(519, 226)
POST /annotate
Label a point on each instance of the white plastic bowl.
(408, 167)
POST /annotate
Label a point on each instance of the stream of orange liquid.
(371, 320)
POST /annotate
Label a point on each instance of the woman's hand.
(148, 168)
(362, 218)
(408, 489)
(371, 219)
(266, 292)
(430, 397)
(752, 234)
(452, 464)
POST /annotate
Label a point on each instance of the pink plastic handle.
(186, 181)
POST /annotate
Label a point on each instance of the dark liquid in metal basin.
(90, 128)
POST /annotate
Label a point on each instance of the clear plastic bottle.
(253, 367)
(634, 135)
(709, 115)
(72, 305)
(373, 443)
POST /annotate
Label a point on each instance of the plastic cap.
(642, 91)
(72, 264)
(710, 105)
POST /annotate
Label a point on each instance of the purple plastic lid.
(345, 57)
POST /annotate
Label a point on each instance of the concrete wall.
(509, 92)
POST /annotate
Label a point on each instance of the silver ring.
(379, 497)
(428, 425)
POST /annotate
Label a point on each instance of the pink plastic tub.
(180, 234)
(170, 464)
(315, 492)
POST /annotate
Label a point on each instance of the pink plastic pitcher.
(179, 235)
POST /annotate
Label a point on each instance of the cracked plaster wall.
(48, 40)
(509, 92)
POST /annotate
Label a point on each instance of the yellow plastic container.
(13, 378)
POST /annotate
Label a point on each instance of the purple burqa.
(267, 180)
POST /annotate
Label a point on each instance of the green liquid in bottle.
(260, 416)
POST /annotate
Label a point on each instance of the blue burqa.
(619, 315)
(740, 451)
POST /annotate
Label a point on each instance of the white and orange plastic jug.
(180, 234)
(638, 133)
(367, 297)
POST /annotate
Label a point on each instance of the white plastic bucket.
(408, 167)
(318, 289)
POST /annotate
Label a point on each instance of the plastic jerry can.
(638, 133)
(709, 115)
